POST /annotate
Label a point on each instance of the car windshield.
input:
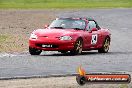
(68, 24)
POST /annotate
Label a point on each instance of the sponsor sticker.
(83, 78)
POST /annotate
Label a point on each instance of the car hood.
(54, 32)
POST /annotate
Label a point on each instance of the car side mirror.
(46, 26)
(94, 29)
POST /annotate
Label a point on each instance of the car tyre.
(63, 52)
(34, 51)
(105, 47)
(77, 47)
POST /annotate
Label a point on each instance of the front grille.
(39, 45)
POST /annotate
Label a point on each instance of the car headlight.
(33, 36)
(65, 38)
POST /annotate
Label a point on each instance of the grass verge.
(16, 26)
(12, 43)
(61, 4)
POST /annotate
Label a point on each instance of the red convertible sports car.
(72, 35)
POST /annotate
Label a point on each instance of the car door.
(93, 37)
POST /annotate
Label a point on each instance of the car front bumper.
(58, 45)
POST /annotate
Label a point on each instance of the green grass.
(123, 86)
(3, 38)
(47, 4)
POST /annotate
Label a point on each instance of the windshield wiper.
(58, 27)
(77, 28)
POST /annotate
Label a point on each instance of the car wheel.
(34, 51)
(77, 47)
(105, 47)
(81, 80)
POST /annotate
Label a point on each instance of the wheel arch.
(107, 36)
(80, 39)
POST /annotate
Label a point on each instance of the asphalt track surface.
(119, 58)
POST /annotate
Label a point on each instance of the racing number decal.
(94, 39)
